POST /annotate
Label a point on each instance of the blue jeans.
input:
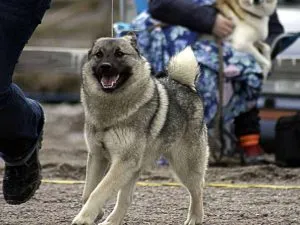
(20, 117)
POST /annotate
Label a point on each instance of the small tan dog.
(226, 6)
(251, 18)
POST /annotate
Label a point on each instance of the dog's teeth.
(111, 83)
(115, 81)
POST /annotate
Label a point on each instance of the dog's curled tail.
(184, 68)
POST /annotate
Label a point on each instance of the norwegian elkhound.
(131, 118)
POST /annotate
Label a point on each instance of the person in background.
(168, 26)
(21, 119)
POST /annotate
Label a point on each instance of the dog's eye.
(119, 54)
(99, 54)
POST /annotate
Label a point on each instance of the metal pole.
(112, 18)
(122, 10)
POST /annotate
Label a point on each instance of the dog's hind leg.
(191, 173)
(124, 200)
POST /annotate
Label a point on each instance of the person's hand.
(223, 27)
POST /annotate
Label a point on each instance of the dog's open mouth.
(109, 82)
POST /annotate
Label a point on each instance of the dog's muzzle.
(107, 76)
(258, 2)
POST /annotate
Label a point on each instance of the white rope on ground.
(173, 184)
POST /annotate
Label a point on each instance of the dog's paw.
(111, 222)
(87, 218)
(266, 70)
(82, 220)
(193, 220)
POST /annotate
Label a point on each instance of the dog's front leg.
(96, 167)
(266, 52)
(124, 200)
(97, 164)
(265, 49)
(119, 174)
(264, 62)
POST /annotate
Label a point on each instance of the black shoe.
(21, 182)
(23, 178)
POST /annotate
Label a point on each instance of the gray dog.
(131, 118)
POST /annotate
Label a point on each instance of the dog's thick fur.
(128, 127)
(251, 27)
(228, 6)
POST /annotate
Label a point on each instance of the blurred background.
(49, 68)
(54, 55)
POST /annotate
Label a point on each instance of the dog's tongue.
(109, 81)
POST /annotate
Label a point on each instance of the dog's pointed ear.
(89, 54)
(90, 51)
(132, 38)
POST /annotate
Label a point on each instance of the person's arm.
(185, 13)
(275, 28)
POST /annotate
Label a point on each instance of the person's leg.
(247, 131)
(21, 119)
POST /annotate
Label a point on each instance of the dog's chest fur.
(255, 28)
(116, 124)
(112, 139)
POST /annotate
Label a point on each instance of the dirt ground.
(64, 155)
(58, 204)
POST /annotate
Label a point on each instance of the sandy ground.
(58, 204)
(64, 155)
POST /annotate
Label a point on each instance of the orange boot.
(252, 153)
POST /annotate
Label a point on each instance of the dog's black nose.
(257, 2)
(105, 67)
